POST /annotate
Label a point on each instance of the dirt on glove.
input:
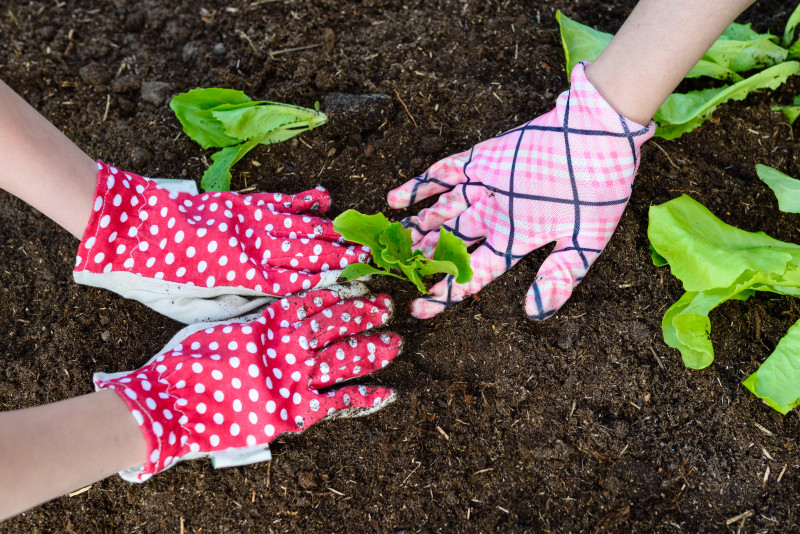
(586, 422)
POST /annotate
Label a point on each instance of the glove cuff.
(585, 101)
(99, 250)
(158, 414)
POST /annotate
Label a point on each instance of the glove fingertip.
(316, 200)
(426, 309)
(358, 401)
(399, 198)
(546, 297)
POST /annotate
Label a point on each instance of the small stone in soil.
(95, 74)
(126, 83)
(155, 92)
(140, 157)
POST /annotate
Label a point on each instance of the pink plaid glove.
(565, 177)
(206, 257)
(226, 390)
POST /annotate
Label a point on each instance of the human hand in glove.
(207, 257)
(226, 390)
(565, 177)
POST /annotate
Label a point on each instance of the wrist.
(157, 414)
(612, 88)
(589, 110)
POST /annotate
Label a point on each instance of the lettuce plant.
(390, 244)
(230, 120)
(717, 262)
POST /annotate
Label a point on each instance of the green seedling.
(230, 120)
(390, 244)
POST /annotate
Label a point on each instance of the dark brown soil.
(586, 422)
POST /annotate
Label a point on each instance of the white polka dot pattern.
(239, 384)
(263, 242)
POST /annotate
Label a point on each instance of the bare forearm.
(50, 450)
(42, 166)
(655, 48)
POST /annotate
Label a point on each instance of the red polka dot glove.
(565, 177)
(206, 257)
(226, 390)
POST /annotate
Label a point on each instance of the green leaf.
(428, 267)
(686, 325)
(738, 49)
(451, 249)
(357, 270)
(791, 26)
(791, 112)
(705, 253)
(777, 381)
(231, 120)
(391, 249)
(794, 50)
(658, 259)
(396, 242)
(412, 273)
(192, 109)
(218, 175)
(740, 52)
(364, 230)
(682, 113)
(580, 42)
(717, 262)
(786, 188)
(252, 121)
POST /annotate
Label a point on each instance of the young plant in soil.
(717, 262)
(739, 50)
(230, 120)
(390, 244)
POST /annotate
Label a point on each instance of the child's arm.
(564, 177)
(657, 46)
(219, 390)
(42, 166)
(49, 450)
(194, 258)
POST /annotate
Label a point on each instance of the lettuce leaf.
(786, 188)
(717, 262)
(252, 121)
(705, 253)
(791, 112)
(193, 111)
(791, 26)
(580, 42)
(391, 249)
(683, 112)
(777, 381)
(229, 119)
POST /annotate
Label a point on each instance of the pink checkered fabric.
(565, 177)
(235, 387)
